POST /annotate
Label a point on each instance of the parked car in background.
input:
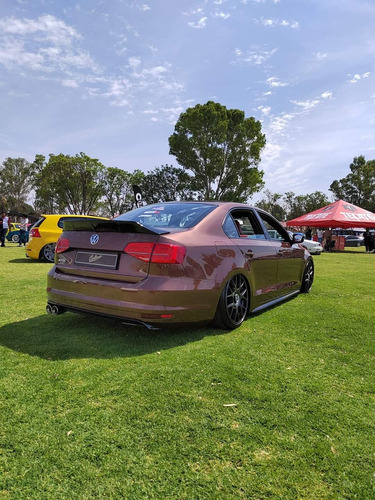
(178, 262)
(45, 233)
(14, 233)
(352, 240)
(314, 247)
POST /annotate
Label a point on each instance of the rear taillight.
(156, 253)
(34, 233)
(62, 245)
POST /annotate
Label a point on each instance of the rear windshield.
(38, 222)
(171, 216)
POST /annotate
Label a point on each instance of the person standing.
(367, 240)
(308, 233)
(5, 227)
(24, 222)
(327, 240)
(320, 234)
(372, 242)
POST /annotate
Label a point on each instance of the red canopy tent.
(339, 214)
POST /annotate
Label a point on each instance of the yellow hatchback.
(45, 233)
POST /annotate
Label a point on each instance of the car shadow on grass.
(72, 336)
(25, 260)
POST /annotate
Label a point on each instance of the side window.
(275, 231)
(61, 221)
(242, 224)
(230, 228)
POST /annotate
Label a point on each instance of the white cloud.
(48, 27)
(134, 62)
(355, 78)
(265, 110)
(47, 49)
(70, 83)
(272, 22)
(200, 24)
(275, 82)
(307, 105)
(255, 57)
(144, 7)
(222, 15)
(45, 44)
(320, 55)
(279, 123)
(327, 95)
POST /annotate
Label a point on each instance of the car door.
(289, 257)
(258, 254)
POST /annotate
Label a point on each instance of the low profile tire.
(48, 252)
(233, 304)
(308, 277)
(15, 238)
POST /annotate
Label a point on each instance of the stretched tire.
(308, 277)
(48, 252)
(233, 304)
(15, 238)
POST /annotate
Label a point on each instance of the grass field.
(282, 407)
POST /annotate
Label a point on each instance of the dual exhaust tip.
(54, 309)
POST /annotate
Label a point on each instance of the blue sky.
(110, 78)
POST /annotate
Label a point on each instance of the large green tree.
(289, 205)
(297, 205)
(167, 183)
(68, 184)
(15, 184)
(358, 187)
(118, 190)
(46, 196)
(222, 149)
(272, 203)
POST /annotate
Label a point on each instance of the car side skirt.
(274, 302)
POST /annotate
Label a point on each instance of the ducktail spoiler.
(110, 226)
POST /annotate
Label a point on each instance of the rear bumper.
(157, 300)
(32, 251)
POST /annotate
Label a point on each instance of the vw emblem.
(94, 239)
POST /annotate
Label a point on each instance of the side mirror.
(297, 238)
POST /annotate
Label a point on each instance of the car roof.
(72, 215)
(229, 204)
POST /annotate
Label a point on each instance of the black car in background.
(352, 240)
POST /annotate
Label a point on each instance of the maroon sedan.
(178, 262)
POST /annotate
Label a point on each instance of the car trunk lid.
(98, 249)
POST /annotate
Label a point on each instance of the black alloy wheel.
(308, 277)
(233, 304)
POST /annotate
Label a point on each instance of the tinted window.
(38, 223)
(171, 216)
(65, 219)
(243, 224)
(274, 229)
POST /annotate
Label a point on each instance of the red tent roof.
(338, 214)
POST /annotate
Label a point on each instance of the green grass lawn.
(282, 407)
